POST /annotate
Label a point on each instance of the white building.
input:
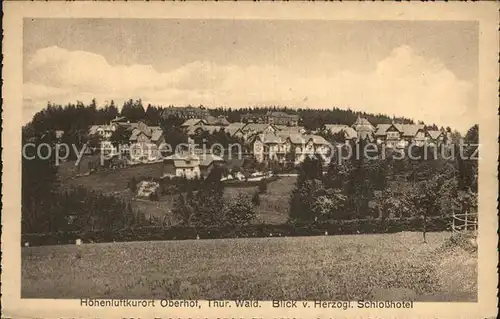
(400, 135)
(190, 165)
(103, 131)
(284, 146)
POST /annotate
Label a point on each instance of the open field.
(384, 266)
(116, 183)
(109, 181)
(273, 208)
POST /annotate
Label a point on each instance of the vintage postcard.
(250, 160)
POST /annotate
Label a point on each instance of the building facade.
(277, 118)
(436, 138)
(190, 165)
(102, 131)
(400, 135)
(188, 112)
(287, 147)
(146, 142)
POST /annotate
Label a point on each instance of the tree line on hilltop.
(79, 116)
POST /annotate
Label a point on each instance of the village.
(272, 136)
(149, 156)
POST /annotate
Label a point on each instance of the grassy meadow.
(380, 266)
(273, 208)
(383, 266)
(106, 181)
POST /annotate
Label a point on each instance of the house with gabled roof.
(434, 137)
(272, 117)
(381, 132)
(413, 134)
(126, 125)
(145, 142)
(334, 128)
(276, 146)
(391, 136)
(287, 119)
(400, 135)
(253, 129)
(220, 120)
(193, 122)
(235, 129)
(182, 165)
(291, 129)
(350, 134)
(191, 164)
(188, 112)
(209, 161)
(347, 133)
(238, 133)
(282, 118)
(102, 131)
(364, 129)
(195, 130)
(266, 146)
(120, 119)
(315, 145)
(363, 124)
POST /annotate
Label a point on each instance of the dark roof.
(232, 128)
(208, 159)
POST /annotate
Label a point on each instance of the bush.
(464, 241)
(303, 199)
(132, 185)
(77, 209)
(395, 205)
(176, 185)
(256, 199)
(182, 210)
(240, 211)
(329, 205)
(262, 186)
(249, 163)
(333, 227)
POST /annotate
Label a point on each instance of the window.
(392, 134)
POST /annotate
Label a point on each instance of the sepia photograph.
(307, 163)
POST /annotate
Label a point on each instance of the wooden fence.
(464, 222)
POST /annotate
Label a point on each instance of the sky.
(424, 70)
